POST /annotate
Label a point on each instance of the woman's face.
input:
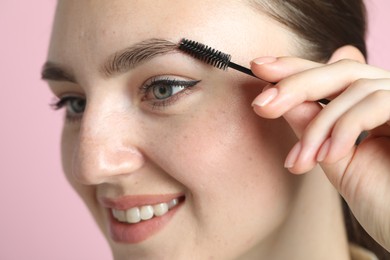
(166, 126)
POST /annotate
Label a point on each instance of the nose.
(107, 147)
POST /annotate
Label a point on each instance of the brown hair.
(324, 26)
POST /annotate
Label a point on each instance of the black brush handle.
(242, 69)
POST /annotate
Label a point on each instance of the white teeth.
(133, 215)
(119, 215)
(146, 212)
(173, 203)
(160, 209)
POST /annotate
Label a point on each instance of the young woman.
(177, 159)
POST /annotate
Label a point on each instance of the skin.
(360, 96)
(241, 202)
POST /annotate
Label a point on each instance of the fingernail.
(264, 60)
(293, 156)
(324, 151)
(266, 97)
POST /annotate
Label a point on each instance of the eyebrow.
(53, 71)
(133, 56)
(117, 63)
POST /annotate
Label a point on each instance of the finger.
(311, 85)
(274, 69)
(371, 112)
(337, 151)
(320, 127)
(298, 118)
(314, 145)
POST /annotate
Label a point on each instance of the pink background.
(41, 217)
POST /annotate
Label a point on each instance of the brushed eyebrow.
(117, 63)
(136, 54)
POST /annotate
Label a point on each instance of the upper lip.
(131, 201)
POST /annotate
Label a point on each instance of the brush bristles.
(205, 53)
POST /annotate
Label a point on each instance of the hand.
(360, 97)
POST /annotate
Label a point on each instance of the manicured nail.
(264, 60)
(293, 156)
(266, 97)
(324, 151)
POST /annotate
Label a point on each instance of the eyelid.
(60, 102)
(64, 102)
(168, 81)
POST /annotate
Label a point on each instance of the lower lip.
(136, 233)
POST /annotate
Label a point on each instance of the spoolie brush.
(211, 56)
(217, 58)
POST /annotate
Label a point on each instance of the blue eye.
(75, 106)
(162, 91)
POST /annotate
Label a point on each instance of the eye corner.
(75, 106)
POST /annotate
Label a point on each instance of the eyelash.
(65, 102)
(145, 90)
(148, 88)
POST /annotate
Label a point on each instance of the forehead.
(91, 30)
(102, 20)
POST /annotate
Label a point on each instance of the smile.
(146, 212)
(134, 218)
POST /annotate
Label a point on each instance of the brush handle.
(242, 69)
(250, 73)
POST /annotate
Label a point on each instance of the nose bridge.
(107, 147)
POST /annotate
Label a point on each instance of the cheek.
(221, 138)
(233, 170)
(233, 151)
(230, 160)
